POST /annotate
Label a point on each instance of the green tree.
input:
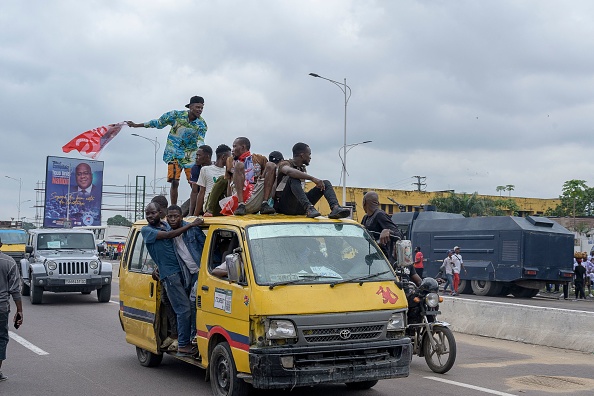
(119, 220)
(510, 188)
(499, 189)
(577, 199)
(470, 205)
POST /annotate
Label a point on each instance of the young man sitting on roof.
(291, 196)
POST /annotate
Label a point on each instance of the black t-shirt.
(580, 272)
(378, 222)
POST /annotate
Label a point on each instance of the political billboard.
(73, 190)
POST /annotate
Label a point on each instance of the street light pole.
(343, 87)
(157, 146)
(20, 188)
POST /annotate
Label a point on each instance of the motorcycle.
(430, 338)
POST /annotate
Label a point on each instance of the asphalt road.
(77, 347)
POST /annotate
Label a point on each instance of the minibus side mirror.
(233, 267)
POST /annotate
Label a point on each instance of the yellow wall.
(412, 199)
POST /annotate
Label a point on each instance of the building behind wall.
(392, 201)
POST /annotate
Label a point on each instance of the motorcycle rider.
(379, 223)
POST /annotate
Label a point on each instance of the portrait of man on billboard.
(73, 192)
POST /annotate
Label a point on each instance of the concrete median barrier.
(555, 327)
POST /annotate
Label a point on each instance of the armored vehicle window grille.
(510, 251)
(73, 268)
(343, 333)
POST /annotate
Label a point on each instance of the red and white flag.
(90, 143)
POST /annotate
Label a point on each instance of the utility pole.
(419, 184)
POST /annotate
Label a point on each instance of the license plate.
(75, 281)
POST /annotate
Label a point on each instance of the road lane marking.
(478, 388)
(521, 305)
(27, 344)
(114, 302)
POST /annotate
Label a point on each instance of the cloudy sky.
(469, 94)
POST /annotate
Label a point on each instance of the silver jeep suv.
(64, 260)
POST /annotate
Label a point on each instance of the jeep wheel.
(36, 294)
(104, 294)
(25, 290)
(148, 359)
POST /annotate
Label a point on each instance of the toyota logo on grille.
(345, 334)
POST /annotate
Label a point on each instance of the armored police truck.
(501, 254)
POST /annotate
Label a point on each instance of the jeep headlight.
(432, 300)
(280, 329)
(396, 322)
(51, 265)
(93, 265)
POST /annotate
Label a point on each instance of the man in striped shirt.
(9, 286)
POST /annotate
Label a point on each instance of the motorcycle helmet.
(429, 285)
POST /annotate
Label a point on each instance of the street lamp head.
(314, 75)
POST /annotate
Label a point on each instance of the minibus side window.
(140, 260)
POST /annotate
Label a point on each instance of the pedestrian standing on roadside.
(10, 285)
(447, 267)
(589, 275)
(458, 265)
(580, 276)
(419, 261)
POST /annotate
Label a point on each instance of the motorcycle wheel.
(441, 359)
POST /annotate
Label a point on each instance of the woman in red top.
(418, 261)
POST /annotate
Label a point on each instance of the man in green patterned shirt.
(187, 133)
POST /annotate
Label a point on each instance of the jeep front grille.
(347, 333)
(73, 268)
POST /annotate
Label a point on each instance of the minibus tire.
(223, 373)
(148, 359)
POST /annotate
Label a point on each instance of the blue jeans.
(449, 281)
(180, 302)
(3, 334)
(193, 280)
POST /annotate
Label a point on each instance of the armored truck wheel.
(486, 288)
(465, 287)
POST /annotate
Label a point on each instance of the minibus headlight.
(432, 300)
(280, 329)
(51, 265)
(396, 322)
(93, 264)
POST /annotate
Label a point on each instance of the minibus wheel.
(148, 359)
(223, 373)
